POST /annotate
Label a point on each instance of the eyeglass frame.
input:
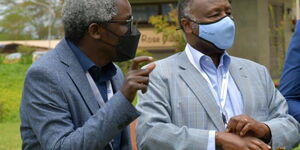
(122, 21)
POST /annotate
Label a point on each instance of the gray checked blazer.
(59, 110)
(179, 109)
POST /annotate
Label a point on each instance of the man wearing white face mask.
(205, 99)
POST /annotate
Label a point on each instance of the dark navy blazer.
(290, 79)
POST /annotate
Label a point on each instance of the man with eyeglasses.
(74, 97)
(205, 99)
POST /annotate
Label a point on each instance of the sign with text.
(153, 40)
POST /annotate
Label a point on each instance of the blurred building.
(40, 45)
(150, 40)
(264, 28)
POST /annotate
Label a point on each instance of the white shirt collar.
(194, 57)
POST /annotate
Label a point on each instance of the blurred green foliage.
(29, 19)
(169, 27)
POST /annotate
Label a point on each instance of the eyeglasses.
(128, 22)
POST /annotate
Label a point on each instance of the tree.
(30, 19)
(168, 26)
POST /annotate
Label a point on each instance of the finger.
(151, 67)
(138, 60)
(253, 146)
(231, 125)
(262, 145)
(228, 128)
(240, 125)
(138, 86)
(144, 91)
(143, 72)
(140, 72)
(246, 129)
(143, 88)
(142, 80)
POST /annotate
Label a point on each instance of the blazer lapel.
(77, 75)
(200, 88)
(239, 75)
(117, 81)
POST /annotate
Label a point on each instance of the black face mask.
(128, 44)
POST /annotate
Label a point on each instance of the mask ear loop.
(129, 30)
(118, 36)
(114, 46)
(109, 44)
(111, 32)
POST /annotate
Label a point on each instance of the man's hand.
(244, 125)
(230, 141)
(137, 79)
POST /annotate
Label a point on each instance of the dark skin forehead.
(210, 10)
(124, 13)
(124, 10)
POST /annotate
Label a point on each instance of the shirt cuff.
(211, 140)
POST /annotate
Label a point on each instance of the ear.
(186, 25)
(94, 31)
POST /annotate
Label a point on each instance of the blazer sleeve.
(47, 111)
(155, 129)
(290, 79)
(284, 128)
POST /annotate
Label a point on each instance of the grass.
(11, 78)
(10, 136)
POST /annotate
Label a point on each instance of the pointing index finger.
(138, 60)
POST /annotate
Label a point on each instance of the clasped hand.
(244, 133)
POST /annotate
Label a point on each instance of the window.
(142, 12)
(166, 8)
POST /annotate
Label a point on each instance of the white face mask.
(220, 33)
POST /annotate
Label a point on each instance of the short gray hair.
(184, 8)
(77, 15)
